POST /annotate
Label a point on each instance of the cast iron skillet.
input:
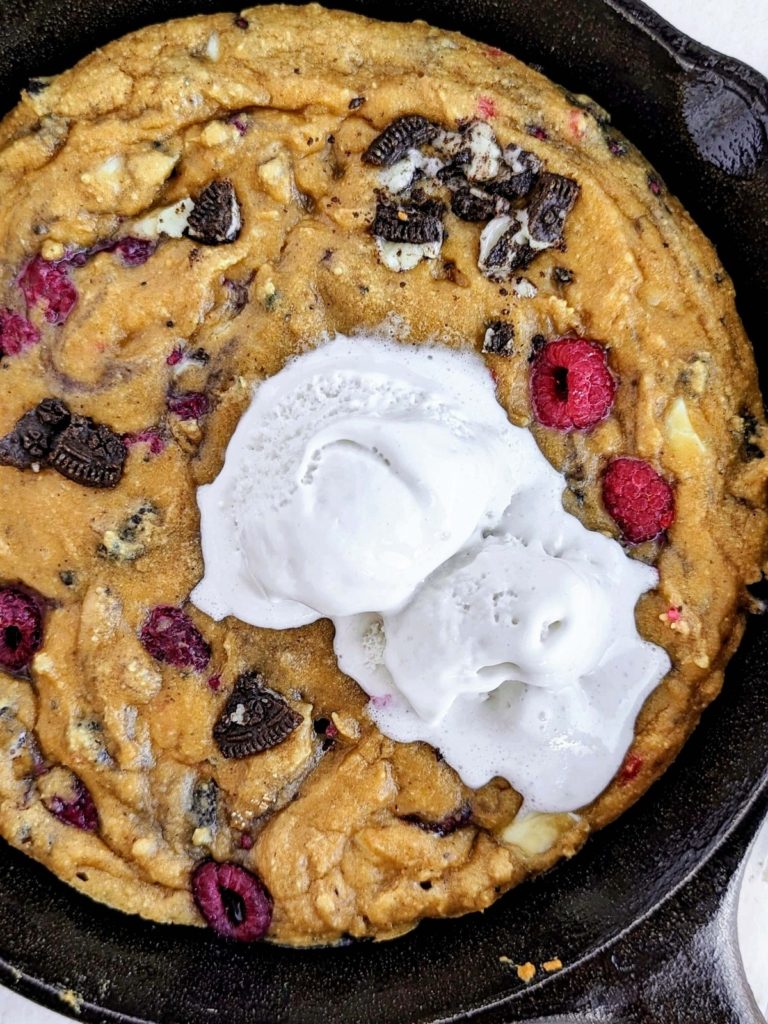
(641, 918)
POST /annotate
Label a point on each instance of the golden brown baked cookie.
(180, 213)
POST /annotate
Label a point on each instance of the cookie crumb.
(555, 964)
(526, 972)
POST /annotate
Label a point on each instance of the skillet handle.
(679, 965)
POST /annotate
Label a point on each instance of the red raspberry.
(47, 282)
(169, 636)
(641, 501)
(134, 251)
(75, 807)
(188, 405)
(571, 385)
(16, 333)
(233, 901)
(21, 628)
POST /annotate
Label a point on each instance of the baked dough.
(352, 834)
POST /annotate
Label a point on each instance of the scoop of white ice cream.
(354, 473)
(382, 485)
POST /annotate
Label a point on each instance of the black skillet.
(643, 918)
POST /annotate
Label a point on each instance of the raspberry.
(48, 282)
(233, 901)
(571, 385)
(630, 769)
(134, 251)
(188, 405)
(74, 806)
(459, 819)
(641, 502)
(170, 636)
(21, 628)
(16, 333)
(150, 437)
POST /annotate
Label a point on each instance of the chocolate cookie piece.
(204, 808)
(550, 202)
(518, 176)
(417, 223)
(88, 453)
(215, 218)
(469, 204)
(504, 248)
(499, 337)
(404, 133)
(254, 718)
(31, 439)
(749, 434)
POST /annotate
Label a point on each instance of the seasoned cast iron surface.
(703, 121)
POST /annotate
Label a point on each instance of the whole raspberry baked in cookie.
(182, 213)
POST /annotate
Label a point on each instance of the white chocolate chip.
(679, 429)
(202, 837)
(168, 220)
(534, 833)
(213, 47)
(275, 176)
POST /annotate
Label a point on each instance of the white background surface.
(739, 28)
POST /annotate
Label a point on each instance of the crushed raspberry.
(446, 826)
(617, 147)
(241, 22)
(640, 501)
(537, 131)
(188, 405)
(151, 437)
(576, 123)
(240, 123)
(75, 808)
(170, 636)
(486, 107)
(234, 902)
(630, 769)
(246, 841)
(571, 385)
(48, 283)
(674, 614)
(21, 628)
(214, 683)
(654, 184)
(175, 357)
(493, 51)
(16, 333)
(134, 251)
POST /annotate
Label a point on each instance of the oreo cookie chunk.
(518, 176)
(482, 155)
(50, 435)
(254, 719)
(89, 453)
(474, 205)
(499, 338)
(215, 218)
(551, 200)
(30, 441)
(404, 133)
(411, 223)
(505, 246)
